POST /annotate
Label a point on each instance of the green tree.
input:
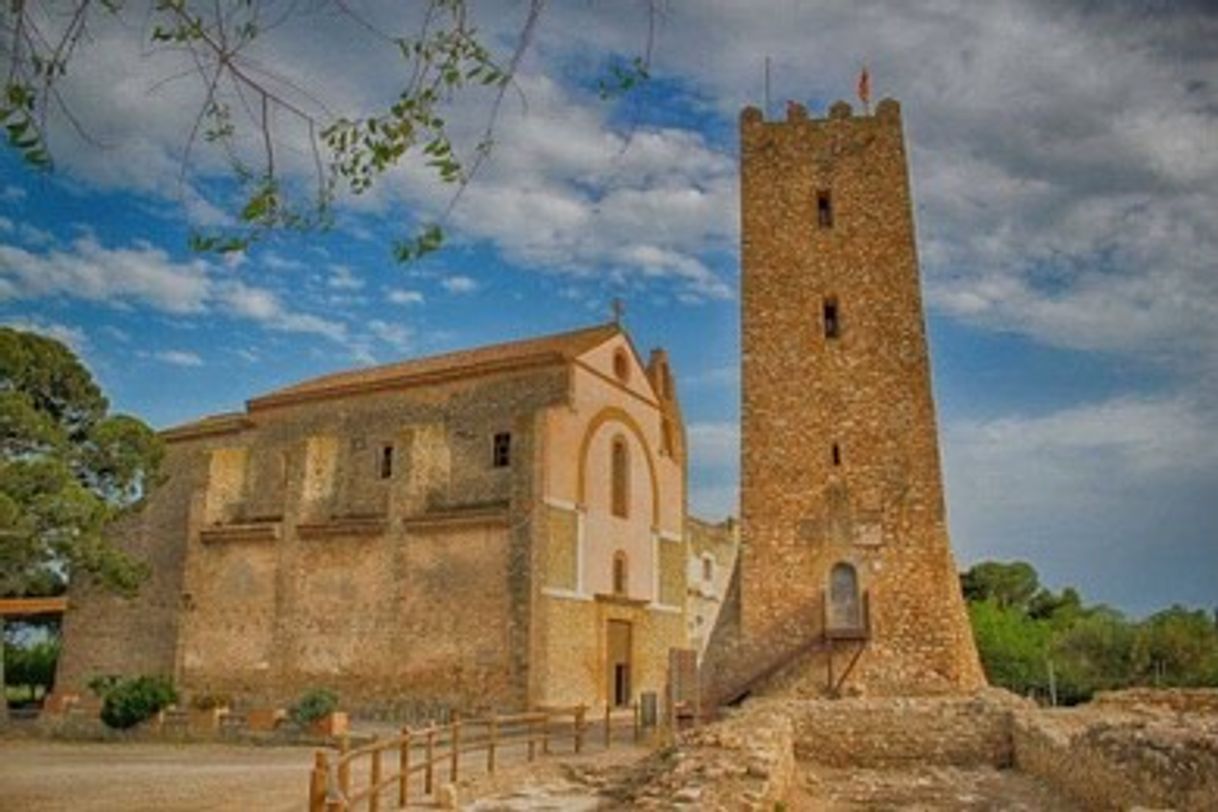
(1094, 652)
(67, 469)
(1177, 647)
(1010, 585)
(1013, 647)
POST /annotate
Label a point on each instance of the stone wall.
(283, 560)
(881, 732)
(1182, 700)
(109, 634)
(713, 552)
(1109, 759)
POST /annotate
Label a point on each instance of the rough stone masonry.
(842, 509)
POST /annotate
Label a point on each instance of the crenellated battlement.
(797, 114)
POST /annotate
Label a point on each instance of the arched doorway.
(845, 609)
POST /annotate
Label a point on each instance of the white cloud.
(26, 233)
(142, 274)
(343, 278)
(404, 297)
(180, 358)
(73, 337)
(1115, 496)
(397, 336)
(277, 262)
(1095, 451)
(12, 194)
(714, 445)
(459, 284)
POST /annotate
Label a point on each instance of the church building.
(495, 528)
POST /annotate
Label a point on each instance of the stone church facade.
(499, 527)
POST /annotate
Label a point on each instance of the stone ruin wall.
(1098, 756)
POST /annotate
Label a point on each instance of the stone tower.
(842, 509)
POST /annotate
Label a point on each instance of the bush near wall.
(127, 701)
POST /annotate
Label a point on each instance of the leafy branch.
(443, 58)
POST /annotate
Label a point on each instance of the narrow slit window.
(387, 462)
(501, 455)
(620, 575)
(620, 478)
(824, 209)
(837, 454)
(832, 319)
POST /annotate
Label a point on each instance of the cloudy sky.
(1065, 167)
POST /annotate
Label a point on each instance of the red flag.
(865, 86)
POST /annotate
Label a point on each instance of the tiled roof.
(543, 349)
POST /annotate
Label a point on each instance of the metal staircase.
(830, 640)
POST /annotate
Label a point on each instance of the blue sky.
(1065, 167)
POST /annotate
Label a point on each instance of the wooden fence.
(438, 751)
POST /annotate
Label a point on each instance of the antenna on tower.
(767, 86)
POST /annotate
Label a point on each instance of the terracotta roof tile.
(559, 346)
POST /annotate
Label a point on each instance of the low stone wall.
(1181, 700)
(1112, 760)
(875, 732)
(1100, 756)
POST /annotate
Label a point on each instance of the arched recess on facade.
(613, 414)
(845, 604)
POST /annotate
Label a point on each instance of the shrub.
(210, 701)
(128, 701)
(315, 704)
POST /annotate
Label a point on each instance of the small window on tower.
(501, 455)
(824, 209)
(837, 454)
(833, 324)
(387, 462)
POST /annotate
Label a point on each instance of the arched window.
(620, 498)
(620, 573)
(844, 609)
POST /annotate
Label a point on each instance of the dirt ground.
(924, 787)
(51, 776)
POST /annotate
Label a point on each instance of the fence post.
(545, 733)
(637, 720)
(529, 725)
(608, 725)
(579, 728)
(403, 767)
(344, 767)
(490, 748)
(456, 743)
(431, 757)
(374, 798)
(317, 783)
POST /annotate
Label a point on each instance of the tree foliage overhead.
(258, 115)
(1032, 640)
(67, 469)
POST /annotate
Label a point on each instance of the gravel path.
(51, 776)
